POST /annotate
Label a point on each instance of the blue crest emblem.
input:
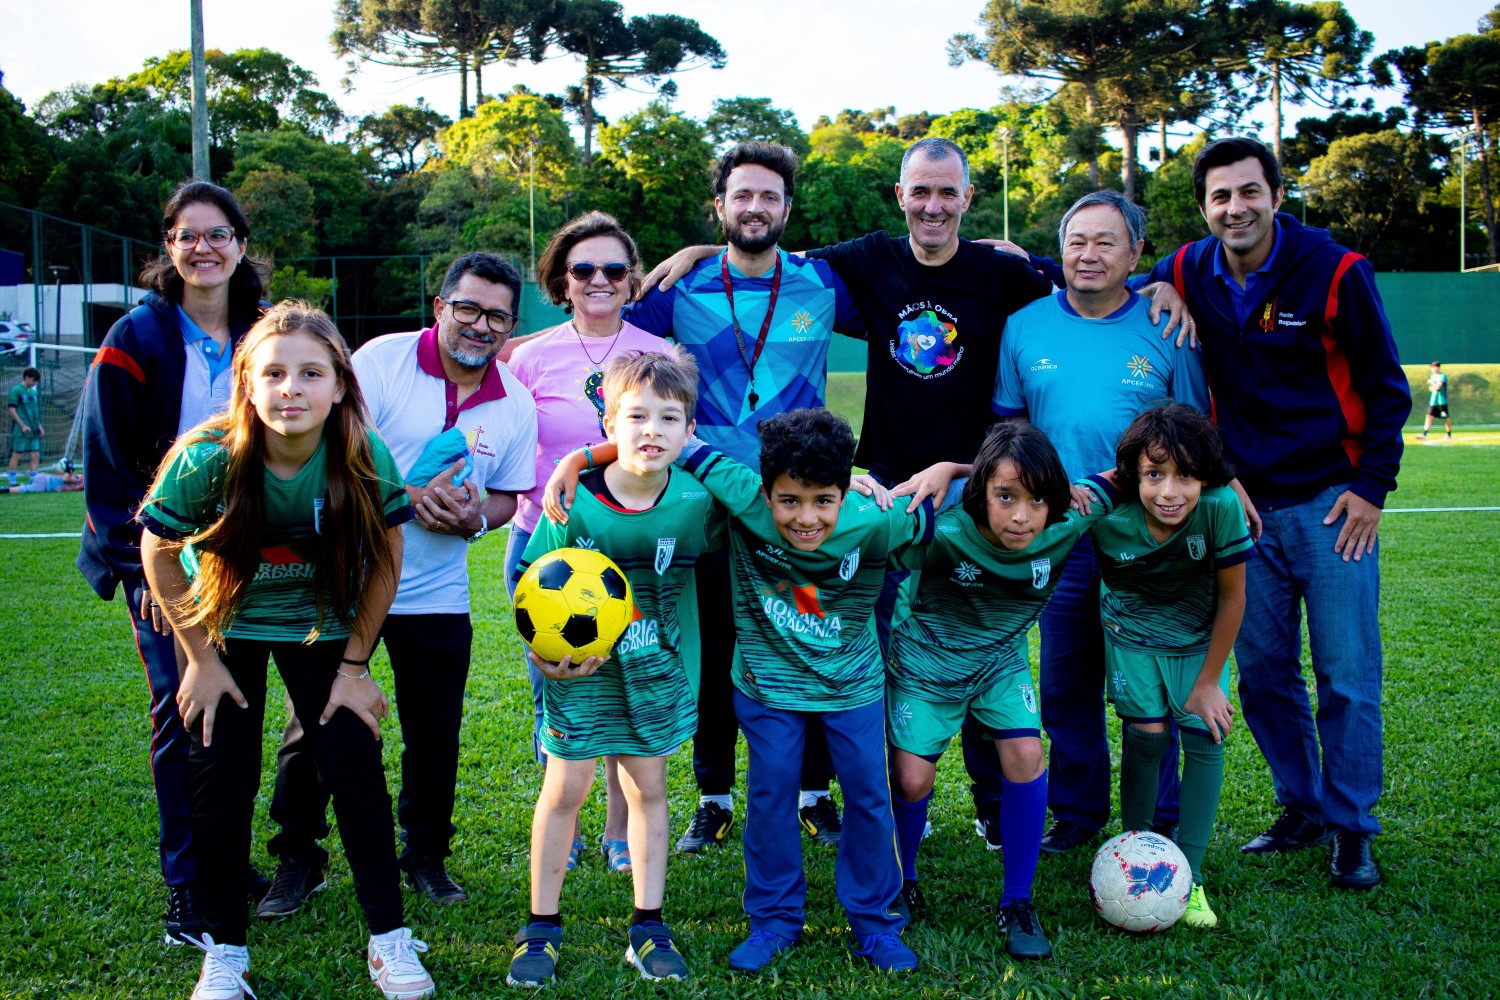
(1041, 571)
(1196, 548)
(848, 566)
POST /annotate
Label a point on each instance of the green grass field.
(80, 893)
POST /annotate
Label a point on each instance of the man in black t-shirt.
(934, 306)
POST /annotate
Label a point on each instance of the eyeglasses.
(584, 270)
(186, 239)
(468, 313)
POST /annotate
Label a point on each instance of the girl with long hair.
(273, 531)
(165, 367)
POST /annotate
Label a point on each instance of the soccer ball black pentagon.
(572, 602)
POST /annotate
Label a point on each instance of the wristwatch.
(484, 527)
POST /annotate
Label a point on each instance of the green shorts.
(1146, 687)
(1007, 710)
(619, 709)
(23, 443)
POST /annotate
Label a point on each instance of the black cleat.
(1062, 836)
(1023, 933)
(184, 913)
(293, 883)
(711, 825)
(430, 877)
(822, 821)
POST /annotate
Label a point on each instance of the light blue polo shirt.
(206, 379)
(1082, 381)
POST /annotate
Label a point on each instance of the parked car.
(15, 338)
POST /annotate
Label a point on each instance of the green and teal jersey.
(804, 621)
(28, 403)
(965, 627)
(1158, 597)
(280, 601)
(643, 700)
(1437, 389)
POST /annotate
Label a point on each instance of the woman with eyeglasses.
(163, 368)
(592, 269)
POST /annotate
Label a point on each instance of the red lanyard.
(765, 326)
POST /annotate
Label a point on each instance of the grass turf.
(81, 899)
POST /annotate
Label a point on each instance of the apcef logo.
(966, 572)
(1139, 365)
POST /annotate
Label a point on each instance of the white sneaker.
(394, 966)
(224, 968)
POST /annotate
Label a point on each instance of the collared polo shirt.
(206, 380)
(412, 401)
(1257, 283)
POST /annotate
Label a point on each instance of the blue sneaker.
(887, 952)
(653, 951)
(756, 951)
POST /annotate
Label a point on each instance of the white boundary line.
(54, 534)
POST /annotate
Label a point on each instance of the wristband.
(355, 663)
(588, 454)
(484, 527)
(354, 677)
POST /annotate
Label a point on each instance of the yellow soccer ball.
(572, 602)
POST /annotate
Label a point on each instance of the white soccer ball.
(1140, 882)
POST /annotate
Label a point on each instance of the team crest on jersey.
(1028, 697)
(318, 515)
(1041, 572)
(664, 549)
(1140, 366)
(849, 565)
(1196, 548)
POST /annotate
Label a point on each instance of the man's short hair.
(762, 154)
(34, 373)
(814, 446)
(934, 148)
(486, 267)
(1135, 215)
(671, 376)
(1226, 151)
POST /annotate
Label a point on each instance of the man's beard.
(465, 356)
(754, 244)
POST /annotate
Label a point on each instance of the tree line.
(1163, 75)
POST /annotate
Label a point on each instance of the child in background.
(958, 647)
(24, 404)
(1172, 557)
(273, 531)
(640, 704)
(1437, 402)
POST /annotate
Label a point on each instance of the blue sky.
(813, 57)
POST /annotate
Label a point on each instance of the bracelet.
(356, 663)
(588, 454)
(354, 677)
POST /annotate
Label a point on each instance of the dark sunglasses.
(613, 271)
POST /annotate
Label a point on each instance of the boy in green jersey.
(808, 562)
(640, 703)
(24, 405)
(958, 647)
(1172, 557)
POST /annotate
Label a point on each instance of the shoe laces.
(398, 955)
(222, 968)
(438, 880)
(288, 874)
(871, 943)
(1022, 913)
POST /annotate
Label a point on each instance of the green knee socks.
(1140, 778)
(1202, 779)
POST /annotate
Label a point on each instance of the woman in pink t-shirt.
(592, 269)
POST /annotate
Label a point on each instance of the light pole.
(58, 270)
(1464, 136)
(531, 164)
(200, 93)
(1004, 133)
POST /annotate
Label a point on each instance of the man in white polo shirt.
(419, 386)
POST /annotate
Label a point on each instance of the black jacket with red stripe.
(132, 404)
(1308, 392)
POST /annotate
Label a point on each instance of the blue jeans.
(1297, 566)
(1072, 683)
(515, 547)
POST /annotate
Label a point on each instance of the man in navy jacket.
(1310, 400)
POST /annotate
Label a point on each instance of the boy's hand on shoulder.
(1209, 704)
(869, 486)
(565, 669)
(932, 481)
